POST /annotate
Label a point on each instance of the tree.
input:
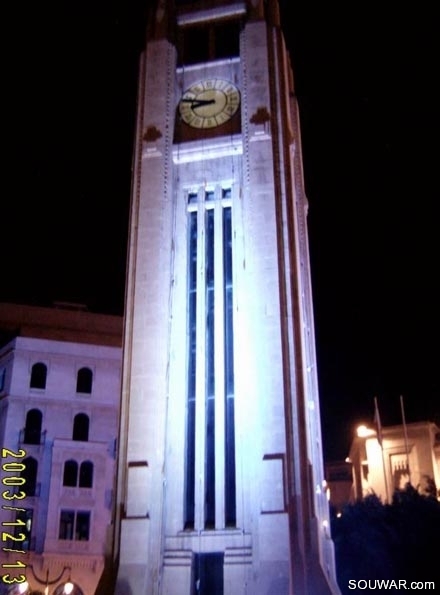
(388, 541)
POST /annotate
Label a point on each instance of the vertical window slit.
(230, 504)
(191, 394)
(209, 373)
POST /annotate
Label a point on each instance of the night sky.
(366, 83)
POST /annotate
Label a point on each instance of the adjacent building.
(60, 380)
(397, 455)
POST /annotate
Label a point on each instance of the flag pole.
(377, 422)
(405, 433)
(380, 441)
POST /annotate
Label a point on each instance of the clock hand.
(198, 102)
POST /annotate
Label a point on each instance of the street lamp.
(68, 586)
(364, 432)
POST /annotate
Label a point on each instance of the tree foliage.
(388, 541)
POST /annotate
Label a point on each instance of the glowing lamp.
(364, 432)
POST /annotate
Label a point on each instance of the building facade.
(60, 379)
(339, 477)
(400, 455)
(220, 481)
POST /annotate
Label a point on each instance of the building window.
(67, 521)
(208, 574)
(70, 475)
(30, 475)
(210, 385)
(230, 505)
(81, 427)
(82, 528)
(2, 379)
(190, 459)
(84, 381)
(210, 369)
(86, 474)
(38, 375)
(400, 470)
(32, 430)
(209, 41)
(74, 525)
(24, 519)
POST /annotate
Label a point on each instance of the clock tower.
(220, 482)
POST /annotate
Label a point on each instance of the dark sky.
(366, 83)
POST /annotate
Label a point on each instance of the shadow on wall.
(109, 585)
(122, 588)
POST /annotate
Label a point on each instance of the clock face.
(209, 103)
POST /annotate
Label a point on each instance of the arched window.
(30, 475)
(70, 475)
(32, 430)
(86, 474)
(81, 427)
(84, 381)
(38, 375)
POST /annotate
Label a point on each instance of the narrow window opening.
(67, 520)
(81, 427)
(192, 356)
(210, 370)
(32, 430)
(38, 375)
(30, 475)
(82, 526)
(230, 504)
(2, 379)
(86, 474)
(70, 475)
(84, 381)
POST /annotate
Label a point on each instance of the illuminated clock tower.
(220, 484)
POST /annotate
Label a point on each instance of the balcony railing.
(27, 436)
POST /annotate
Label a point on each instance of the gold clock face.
(209, 103)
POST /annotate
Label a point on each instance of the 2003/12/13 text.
(11, 499)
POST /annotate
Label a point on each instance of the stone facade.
(59, 400)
